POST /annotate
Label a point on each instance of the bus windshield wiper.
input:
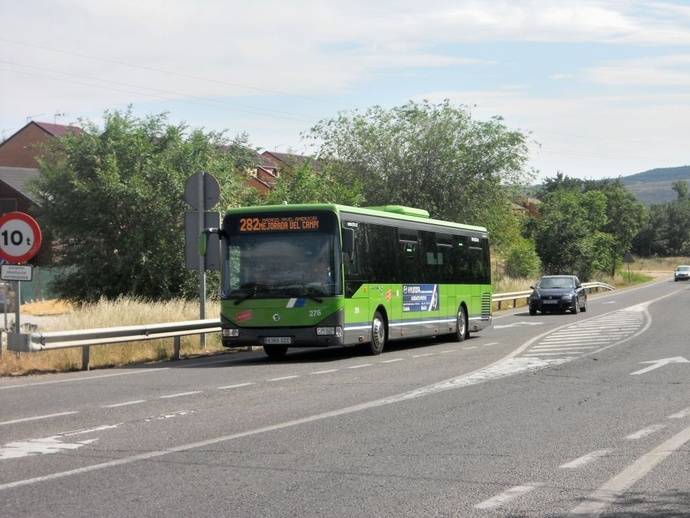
(301, 290)
(252, 288)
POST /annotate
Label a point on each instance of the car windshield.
(556, 283)
(683, 269)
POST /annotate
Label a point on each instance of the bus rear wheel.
(378, 335)
(275, 352)
(461, 332)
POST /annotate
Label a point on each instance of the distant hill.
(654, 186)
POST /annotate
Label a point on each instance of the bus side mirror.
(348, 241)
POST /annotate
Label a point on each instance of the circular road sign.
(20, 237)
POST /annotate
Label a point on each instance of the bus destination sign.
(279, 224)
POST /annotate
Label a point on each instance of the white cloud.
(590, 136)
(670, 70)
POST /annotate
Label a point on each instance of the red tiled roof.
(57, 130)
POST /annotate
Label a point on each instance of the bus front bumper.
(290, 336)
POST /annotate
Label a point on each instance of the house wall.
(20, 149)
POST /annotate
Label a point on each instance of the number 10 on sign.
(20, 237)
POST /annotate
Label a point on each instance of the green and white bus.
(322, 275)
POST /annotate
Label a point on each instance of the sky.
(601, 88)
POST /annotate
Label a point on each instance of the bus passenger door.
(356, 272)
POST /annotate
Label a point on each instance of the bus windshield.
(281, 256)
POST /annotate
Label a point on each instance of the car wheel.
(275, 352)
(576, 308)
(532, 310)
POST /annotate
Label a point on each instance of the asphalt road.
(551, 415)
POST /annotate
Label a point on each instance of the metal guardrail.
(86, 338)
(498, 298)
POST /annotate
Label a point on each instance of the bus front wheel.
(275, 352)
(378, 334)
(461, 333)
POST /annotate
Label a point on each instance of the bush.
(522, 260)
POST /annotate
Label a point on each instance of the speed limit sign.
(20, 237)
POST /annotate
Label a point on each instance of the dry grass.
(124, 311)
(657, 264)
(42, 308)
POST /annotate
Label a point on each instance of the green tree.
(305, 184)
(431, 156)
(568, 220)
(113, 199)
(522, 260)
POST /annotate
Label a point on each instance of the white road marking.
(507, 366)
(169, 415)
(403, 359)
(516, 324)
(236, 385)
(85, 378)
(609, 302)
(327, 371)
(424, 355)
(655, 364)
(568, 347)
(681, 414)
(507, 496)
(645, 432)
(585, 459)
(37, 418)
(490, 343)
(91, 430)
(537, 354)
(126, 403)
(561, 349)
(42, 446)
(360, 366)
(470, 347)
(448, 351)
(292, 377)
(181, 394)
(614, 488)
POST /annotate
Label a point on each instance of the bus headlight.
(330, 331)
(231, 332)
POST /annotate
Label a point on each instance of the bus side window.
(408, 256)
(444, 253)
(461, 271)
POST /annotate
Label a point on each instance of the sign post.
(20, 240)
(628, 259)
(202, 192)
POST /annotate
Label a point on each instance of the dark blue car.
(557, 293)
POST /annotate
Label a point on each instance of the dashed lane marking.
(85, 378)
(236, 385)
(424, 355)
(360, 366)
(180, 394)
(469, 348)
(125, 403)
(681, 414)
(292, 377)
(645, 432)
(327, 371)
(490, 344)
(393, 360)
(38, 417)
(507, 496)
(585, 459)
(615, 487)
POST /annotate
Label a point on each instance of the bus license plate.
(278, 340)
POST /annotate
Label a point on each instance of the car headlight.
(567, 297)
(329, 331)
(231, 332)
